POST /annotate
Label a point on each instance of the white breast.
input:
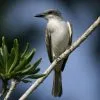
(59, 36)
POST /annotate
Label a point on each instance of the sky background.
(81, 77)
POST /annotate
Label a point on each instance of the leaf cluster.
(16, 65)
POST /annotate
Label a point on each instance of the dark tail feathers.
(57, 84)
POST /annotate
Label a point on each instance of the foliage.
(16, 65)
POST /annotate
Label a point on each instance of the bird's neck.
(54, 23)
(55, 19)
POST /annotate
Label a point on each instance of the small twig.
(62, 56)
(4, 88)
(12, 87)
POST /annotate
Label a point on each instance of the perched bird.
(58, 38)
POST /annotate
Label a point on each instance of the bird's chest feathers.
(57, 30)
(53, 25)
(58, 35)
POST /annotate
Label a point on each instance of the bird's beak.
(40, 15)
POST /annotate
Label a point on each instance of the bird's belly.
(59, 43)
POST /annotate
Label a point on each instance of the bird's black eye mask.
(55, 12)
(50, 12)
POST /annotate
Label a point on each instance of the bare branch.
(62, 56)
(12, 87)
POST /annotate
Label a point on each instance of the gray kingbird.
(58, 38)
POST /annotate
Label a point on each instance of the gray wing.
(70, 31)
(48, 44)
(69, 26)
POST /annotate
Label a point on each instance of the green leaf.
(36, 63)
(35, 71)
(24, 61)
(25, 51)
(4, 54)
(36, 76)
(32, 68)
(16, 54)
(21, 65)
(11, 58)
(30, 55)
(20, 71)
(1, 61)
(3, 40)
(26, 81)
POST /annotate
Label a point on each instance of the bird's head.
(49, 14)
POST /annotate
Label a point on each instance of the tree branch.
(12, 87)
(62, 56)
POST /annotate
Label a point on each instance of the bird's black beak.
(40, 15)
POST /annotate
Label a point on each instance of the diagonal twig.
(12, 87)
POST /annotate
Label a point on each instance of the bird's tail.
(57, 84)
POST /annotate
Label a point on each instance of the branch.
(4, 87)
(12, 87)
(62, 56)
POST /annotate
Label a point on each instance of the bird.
(58, 38)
